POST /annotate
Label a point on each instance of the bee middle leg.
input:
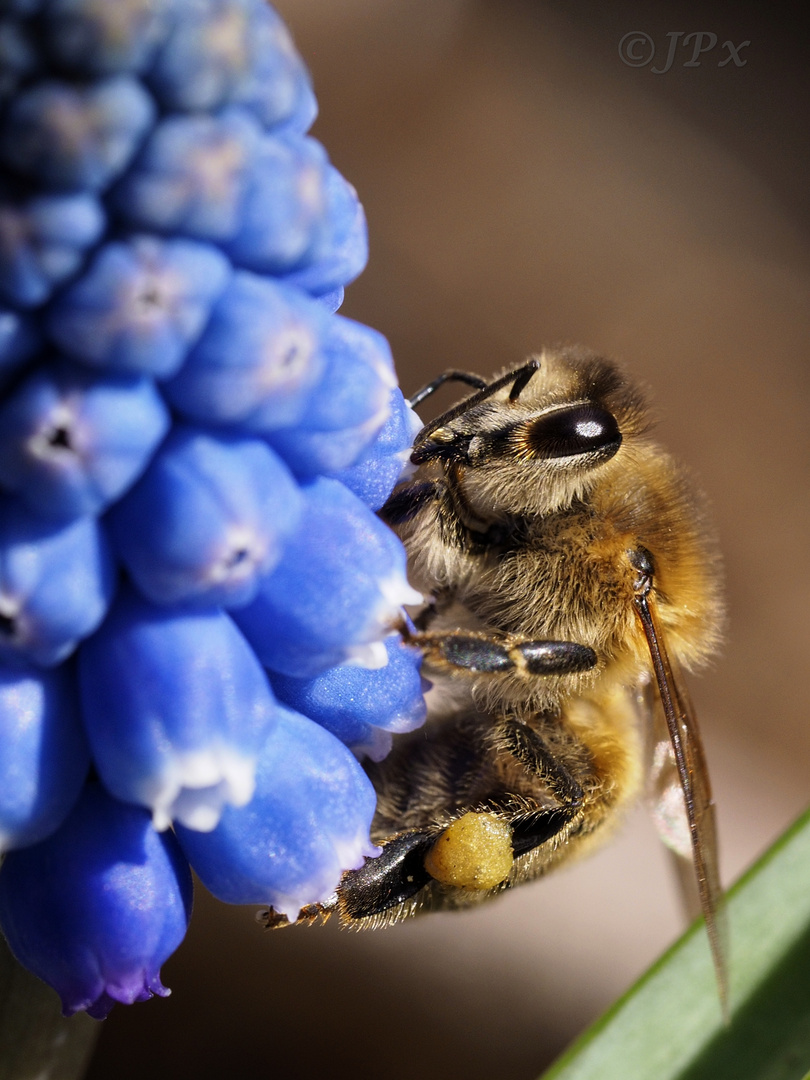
(478, 653)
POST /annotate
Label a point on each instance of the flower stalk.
(36, 1040)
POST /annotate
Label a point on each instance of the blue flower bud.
(337, 591)
(18, 58)
(70, 138)
(357, 704)
(375, 473)
(19, 340)
(341, 251)
(308, 821)
(43, 242)
(208, 518)
(332, 300)
(234, 52)
(97, 907)
(284, 210)
(257, 360)
(43, 753)
(105, 38)
(140, 305)
(347, 407)
(21, 7)
(191, 175)
(277, 86)
(70, 442)
(176, 707)
(56, 583)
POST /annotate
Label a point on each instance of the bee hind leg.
(530, 828)
(271, 919)
(471, 857)
(386, 883)
(382, 884)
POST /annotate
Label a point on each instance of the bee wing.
(684, 758)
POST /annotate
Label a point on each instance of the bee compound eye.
(575, 430)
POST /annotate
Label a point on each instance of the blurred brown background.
(526, 186)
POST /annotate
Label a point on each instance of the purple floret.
(79, 909)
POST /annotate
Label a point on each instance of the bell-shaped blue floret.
(337, 591)
(176, 396)
(96, 908)
(22, 7)
(208, 518)
(259, 67)
(19, 339)
(72, 442)
(18, 55)
(56, 582)
(359, 705)
(257, 360)
(284, 209)
(176, 707)
(43, 753)
(348, 406)
(43, 241)
(105, 38)
(333, 299)
(140, 305)
(72, 138)
(374, 475)
(308, 821)
(277, 87)
(341, 251)
(191, 175)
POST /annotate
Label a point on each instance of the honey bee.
(571, 574)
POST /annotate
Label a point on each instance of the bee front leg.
(488, 654)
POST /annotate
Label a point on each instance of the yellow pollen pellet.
(475, 852)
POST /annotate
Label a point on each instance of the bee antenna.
(518, 378)
(522, 376)
(446, 376)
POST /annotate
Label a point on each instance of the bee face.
(542, 448)
(570, 574)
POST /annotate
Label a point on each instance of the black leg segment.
(485, 654)
(388, 880)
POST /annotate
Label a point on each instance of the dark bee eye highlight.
(578, 429)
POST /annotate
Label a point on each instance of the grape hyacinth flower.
(198, 604)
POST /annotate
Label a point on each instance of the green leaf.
(670, 1025)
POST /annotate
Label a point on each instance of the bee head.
(535, 439)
